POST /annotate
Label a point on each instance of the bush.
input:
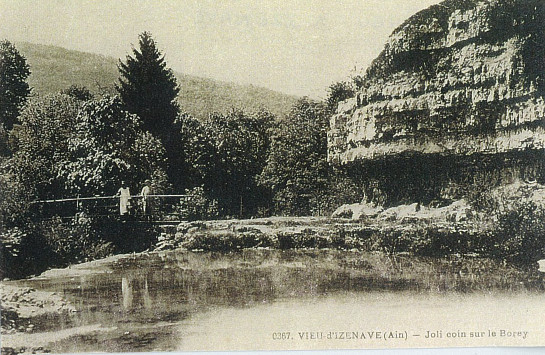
(361, 239)
(341, 189)
(23, 253)
(251, 239)
(58, 243)
(11, 241)
(392, 240)
(74, 242)
(439, 242)
(520, 236)
(224, 241)
(304, 239)
(199, 206)
(125, 236)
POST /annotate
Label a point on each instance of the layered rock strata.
(459, 78)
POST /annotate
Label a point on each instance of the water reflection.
(145, 295)
(183, 281)
(170, 286)
(136, 287)
(126, 291)
(166, 288)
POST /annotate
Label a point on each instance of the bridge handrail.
(76, 199)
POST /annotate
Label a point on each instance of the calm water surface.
(180, 300)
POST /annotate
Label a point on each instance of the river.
(295, 299)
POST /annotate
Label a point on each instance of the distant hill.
(55, 68)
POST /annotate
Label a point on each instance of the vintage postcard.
(271, 175)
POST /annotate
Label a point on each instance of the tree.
(148, 88)
(241, 144)
(296, 170)
(78, 92)
(339, 92)
(108, 146)
(14, 89)
(196, 152)
(40, 144)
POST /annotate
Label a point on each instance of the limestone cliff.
(460, 78)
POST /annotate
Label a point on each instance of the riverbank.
(452, 231)
(420, 231)
(27, 312)
(508, 225)
(24, 310)
(22, 304)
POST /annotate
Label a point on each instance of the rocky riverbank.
(21, 304)
(22, 308)
(404, 228)
(458, 227)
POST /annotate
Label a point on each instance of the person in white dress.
(124, 199)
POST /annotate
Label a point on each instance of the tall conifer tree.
(14, 88)
(148, 88)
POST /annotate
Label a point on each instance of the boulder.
(357, 211)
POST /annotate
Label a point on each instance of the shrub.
(199, 206)
(392, 240)
(58, 243)
(74, 242)
(251, 239)
(361, 238)
(304, 239)
(125, 236)
(520, 236)
(11, 241)
(224, 241)
(341, 189)
(23, 253)
(338, 238)
(433, 241)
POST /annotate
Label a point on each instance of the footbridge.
(161, 209)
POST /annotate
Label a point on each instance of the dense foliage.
(41, 142)
(241, 144)
(520, 234)
(14, 88)
(196, 152)
(64, 147)
(296, 169)
(109, 146)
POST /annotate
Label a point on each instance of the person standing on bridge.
(124, 199)
(146, 199)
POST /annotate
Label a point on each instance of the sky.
(298, 47)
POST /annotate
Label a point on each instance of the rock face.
(460, 78)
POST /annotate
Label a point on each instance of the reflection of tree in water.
(189, 283)
(173, 285)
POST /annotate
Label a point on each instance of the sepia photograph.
(250, 175)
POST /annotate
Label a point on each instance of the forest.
(78, 144)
